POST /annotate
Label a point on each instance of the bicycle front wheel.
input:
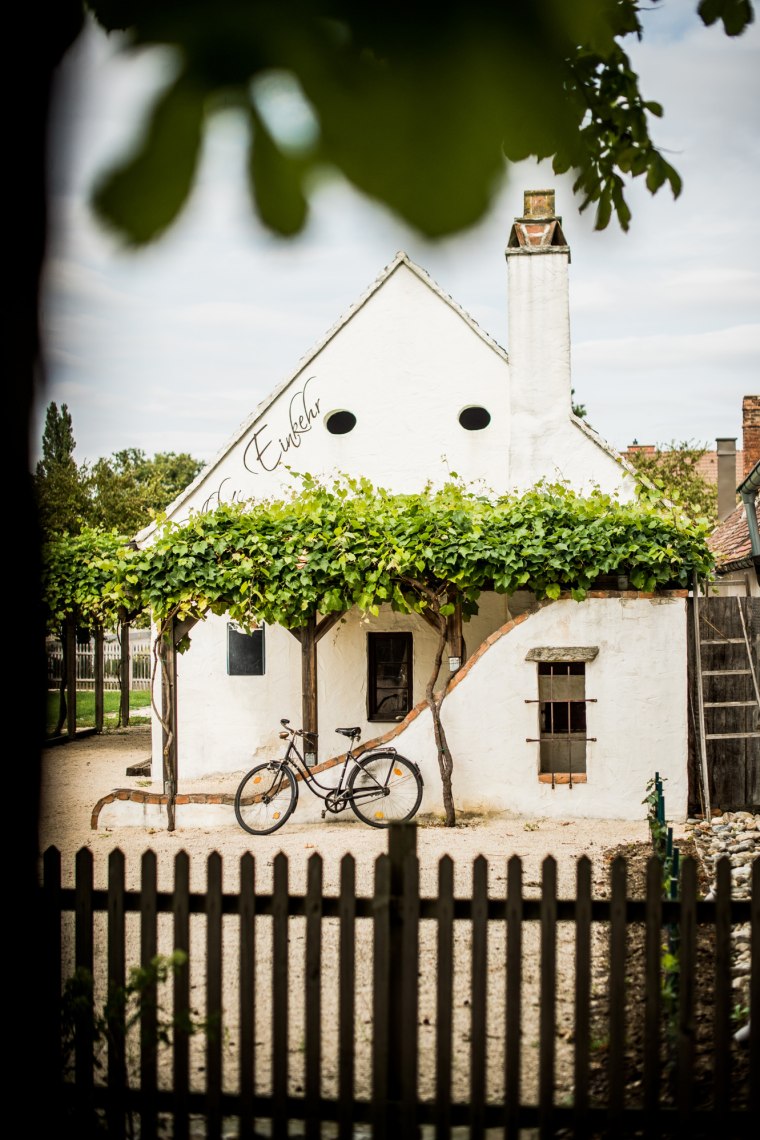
(384, 788)
(265, 798)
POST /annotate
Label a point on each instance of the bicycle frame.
(338, 793)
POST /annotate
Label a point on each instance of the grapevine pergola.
(305, 560)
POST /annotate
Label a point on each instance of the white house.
(404, 389)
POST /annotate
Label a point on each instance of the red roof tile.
(730, 541)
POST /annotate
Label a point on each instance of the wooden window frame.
(562, 703)
(374, 641)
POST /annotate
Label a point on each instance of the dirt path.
(77, 775)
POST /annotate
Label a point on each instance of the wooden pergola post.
(124, 673)
(309, 636)
(454, 636)
(70, 634)
(98, 674)
(309, 704)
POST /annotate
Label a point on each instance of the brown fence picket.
(512, 1060)
(687, 961)
(444, 1013)
(117, 1060)
(380, 996)
(51, 1043)
(723, 994)
(313, 995)
(478, 984)
(582, 1026)
(280, 964)
(247, 993)
(84, 963)
(214, 1015)
(148, 997)
(653, 936)
(548, 998)
(346, 997)
(181, 998)
(409, 914)
(618, 914)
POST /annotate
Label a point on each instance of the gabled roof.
(400, 259)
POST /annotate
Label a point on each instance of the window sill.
(562, 777)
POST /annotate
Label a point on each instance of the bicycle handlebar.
(285, 722)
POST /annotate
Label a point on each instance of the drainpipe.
(726, 452)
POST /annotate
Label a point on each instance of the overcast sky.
(171, 348)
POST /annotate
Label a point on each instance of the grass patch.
(138, 699)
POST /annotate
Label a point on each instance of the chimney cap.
(540, 229)
(538, 204)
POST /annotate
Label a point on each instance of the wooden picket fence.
(387, 1010)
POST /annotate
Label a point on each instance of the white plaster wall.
(639, 719)
(405, 364)
(227, 724)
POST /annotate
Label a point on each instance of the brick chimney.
(540, 398)
(751, 431)
(726, 454)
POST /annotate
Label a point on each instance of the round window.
(474, 419)
(339, 423)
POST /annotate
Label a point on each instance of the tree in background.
(129, 489)
(674, 470)
(123, 492)
(60, 485)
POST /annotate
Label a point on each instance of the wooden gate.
(724, 705)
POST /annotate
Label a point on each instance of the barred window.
(562, 710)
(562, 715)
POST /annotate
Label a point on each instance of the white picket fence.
(140, 662)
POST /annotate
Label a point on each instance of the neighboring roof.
(706, 466)
(730, 541)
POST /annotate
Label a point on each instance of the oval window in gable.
(340, 423)
(474, 418)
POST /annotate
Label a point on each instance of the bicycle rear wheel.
(265, 798)
(384, 788)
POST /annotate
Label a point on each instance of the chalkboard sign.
(245, 652)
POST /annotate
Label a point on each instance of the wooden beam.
(70, 634)
(327, 622)
(454, 635)
(182, 628)
(309, 715)
(124, 674)
(98, 672)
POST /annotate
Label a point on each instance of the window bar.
(537, 740)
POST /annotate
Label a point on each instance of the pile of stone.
(735, 835)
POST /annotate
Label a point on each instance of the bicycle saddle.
(349, 731)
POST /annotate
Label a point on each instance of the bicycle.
(382, 787)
